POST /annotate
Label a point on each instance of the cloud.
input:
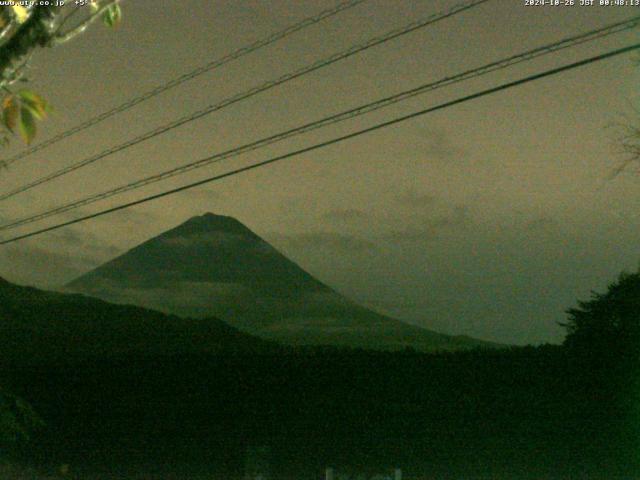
(82, 244)
(55, 258)
(37, 266)
(125, 217)
(412, 199)
(184, 298)
(204, 195)
(211, 239)
(345, 215)
(542, 224)
(325, 241)
(439, 146)
(434, 144)
(457, 218)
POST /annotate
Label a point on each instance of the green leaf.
(38, 105)
(30, 96)
(10, 112)
(37, 112)
(112, 15)
(27, 125)
(21, 13)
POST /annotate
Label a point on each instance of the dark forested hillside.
(131, 393)
(38, 326)
(524, 413)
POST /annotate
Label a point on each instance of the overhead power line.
(333, 141)
(212, 65)
(332, 119)
(250, 93)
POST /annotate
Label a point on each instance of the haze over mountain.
(42, 326)
(213, 265)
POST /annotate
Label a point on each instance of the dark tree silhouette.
(610, 322)
(17, 421)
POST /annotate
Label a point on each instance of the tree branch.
(9, 31)
(34, 32)
(65, 37)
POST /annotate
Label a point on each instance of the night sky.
(487, 219)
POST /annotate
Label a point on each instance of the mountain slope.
(214, 265)
(37, 325)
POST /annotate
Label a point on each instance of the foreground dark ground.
(545, 412)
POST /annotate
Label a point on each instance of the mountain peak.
(210, 217)
(214, 266)
(209, 222)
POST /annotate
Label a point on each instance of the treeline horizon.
(543, 410)
(569, 411)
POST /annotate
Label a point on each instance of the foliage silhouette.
(609, 323)
(528, 412)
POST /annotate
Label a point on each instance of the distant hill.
(37, 325)
(213, 265)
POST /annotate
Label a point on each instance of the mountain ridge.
(44, 326)
(215, 265)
